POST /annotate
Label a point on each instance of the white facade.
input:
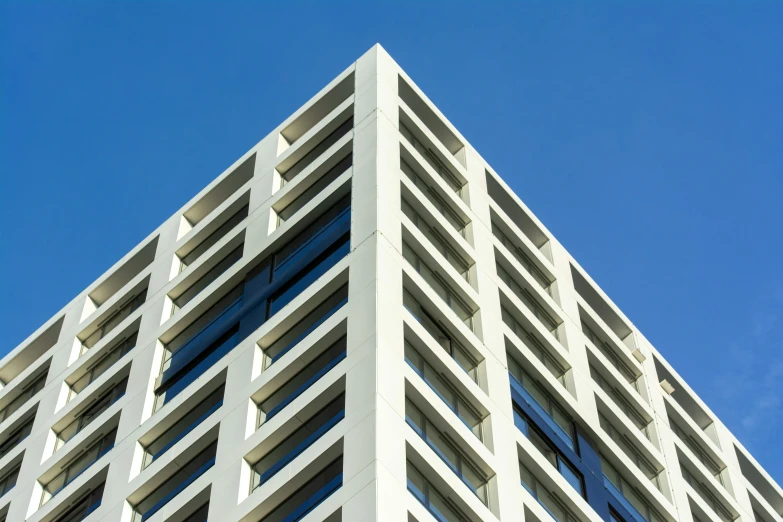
(506, 357)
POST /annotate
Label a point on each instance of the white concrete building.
(358, 321)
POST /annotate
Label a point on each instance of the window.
(300, 382)
(433, 197)
(200, 515)
(530, 302)
(213, 273)
(626, 494)
(320, 148)
(304, 327)
(103, 363)
(439, 506)
(124, 310)
(437, 240)
(630, 450)
(176, 483)
(313, 190)
(8, 481)
(549, 501)
(524, 260)
(441, 336)
(77, 466)
(16, 436)
(297, 442)
(213, 238)
(436, 381)
(624, 369)
(83, 507)
(537, 347)
(27, 393)
(267, 288)
(548, 450)
(309, 496)
(538, 399)
(433, 160)
(709, 498)
(622, 403)
(187, 423)
(439, 285)
(452, 456)
(85, 418)
(695, 447)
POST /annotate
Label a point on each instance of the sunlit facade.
(358, 320)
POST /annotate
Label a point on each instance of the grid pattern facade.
(358, 320)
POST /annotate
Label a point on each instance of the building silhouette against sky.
(358, 320)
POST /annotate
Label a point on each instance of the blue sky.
(649, 140)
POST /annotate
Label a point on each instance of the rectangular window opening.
(302, 329)
(438, 240)
(270, 285)
(441, 335)
(213, 233)
(448, 452)
(183, 477)
(439, 505)
(184, 425)
(300, 382)
(448, 394)
(96, 407)
(73, 469)
(431, 119)
(222, 190)
(297, 442)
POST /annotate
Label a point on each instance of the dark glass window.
(27, 392)
(309, 496)
(83, 507)
(184, 425)
(300, 382)
(302, 329)
(266, 289)
(17, 436)
(105, 362)
(548, 450)
(437, 382)
(313, 190)
(200, 515)
(540, 400)
(77, 466)
(439, 507)
(85, 418)
(214, 237)
(212, 274)
(297, 442)
(107, 325)
(319, 149)
(8, 481)
(176, 483)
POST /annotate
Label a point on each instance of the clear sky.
(649, 140)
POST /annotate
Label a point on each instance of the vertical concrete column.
(26, 481)
(63, 353)
(229, 488)
(735, 477)
(573, 338)
(666, 442)
(374, 447)
(262, 188)
(146, 365)
(500, 432)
